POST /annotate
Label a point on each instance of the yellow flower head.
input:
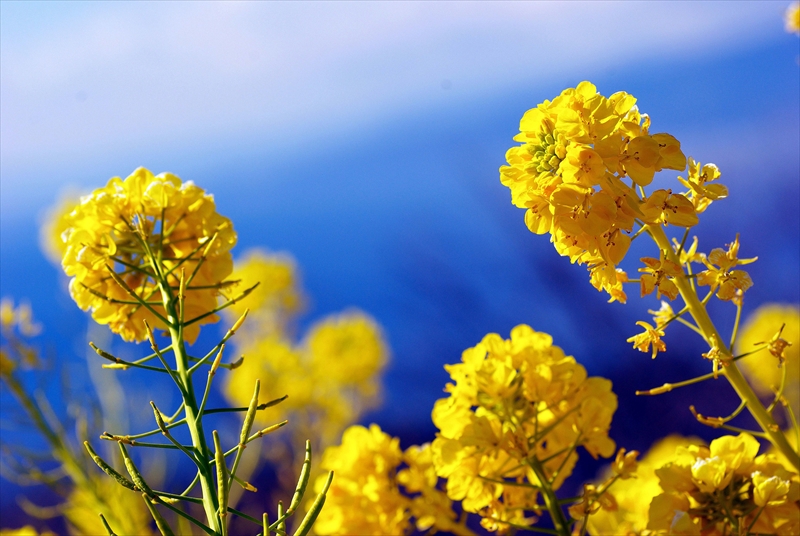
(125, 511)
(19, 317)
(581, 158)
(514, 400)
(649, 338)
(706, 489)
(364, 497)
(721, 273)
(120, 226)
(763, 367)
(278, 296)
(56, 221)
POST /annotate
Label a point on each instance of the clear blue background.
(365, 140)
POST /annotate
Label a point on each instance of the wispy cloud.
(115, 76)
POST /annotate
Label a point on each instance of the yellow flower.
(125, 511)
(708, 489)
(658, 274)
(662, 206)
(56, 221)
(331, 377)
(700, 193)
(721, 274)
(514, 400)
(364, 497)
(115, 227)
(278, 296)
(632, 496)
(20, 317)
(792, 18)
(763, 368)
(651, 337)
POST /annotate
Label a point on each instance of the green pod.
(106, 526)
(302, 482)
(316, 508)
(136, 476)
(161, 523)
(250, 416)
(222, 476)
(107, 469)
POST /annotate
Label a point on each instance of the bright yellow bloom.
(721, 274)
(764, 368)
(792, 18)
(649, 338)
(632, 496)
(331, 377)
(581, 156)
(514, 400)
(364, 497)
(658, 275)
(116, 225)
(700, 193)
(277, 298)
(708, 489)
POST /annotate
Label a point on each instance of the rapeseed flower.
(721, 273)
(277, 299)
(121, 226)
(514, 401)
(581, 158)
(649, 338)
(709, 489)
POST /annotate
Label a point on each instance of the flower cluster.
(329, 377)
(708, 489)
(366, 497)
(113, 236)
(581, 158)
(517, 412)
(277, 299)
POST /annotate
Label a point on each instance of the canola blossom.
(711, 490)
(115, 228)
(516, 415)
(581, 160)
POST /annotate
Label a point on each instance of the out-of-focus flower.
(514, 401)
(331, 377)
(364, 497)
(632, 496)
(119, 226)
(55, 222)
(19, 317)
(581, 158)
(278, 297)
(124, 510)
(25, 531)
(764, 368)
(708, 489)
(792, 18)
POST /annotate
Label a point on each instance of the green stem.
(731, 371)
(550, 500)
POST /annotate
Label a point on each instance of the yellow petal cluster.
(581, 158)
(114, 227)
(331, 376)
(764, 367)
(708, 489)
(275, 301)
(721, 273)
(124, 510)
(629, 509)
(516, 400)
(364, 497)
(377, 489)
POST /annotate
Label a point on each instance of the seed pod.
(107, 469)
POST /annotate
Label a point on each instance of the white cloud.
(119, 77)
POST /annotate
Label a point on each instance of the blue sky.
(364, 138)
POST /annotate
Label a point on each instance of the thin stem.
(556, 514)
(667, 387)
(731, 372)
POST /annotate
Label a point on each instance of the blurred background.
(365, 138)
